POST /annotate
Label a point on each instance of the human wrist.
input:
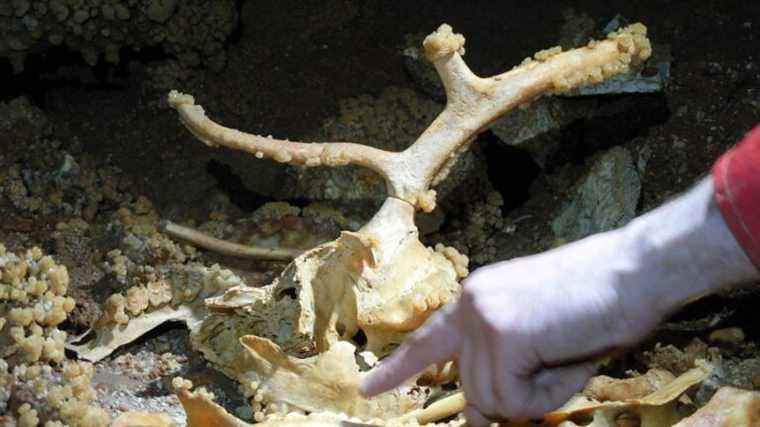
(683, 251)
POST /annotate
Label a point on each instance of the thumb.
(436, 341)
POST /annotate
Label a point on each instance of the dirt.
(290, 62)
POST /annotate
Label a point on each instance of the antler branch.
(295, 153)
(474, 102)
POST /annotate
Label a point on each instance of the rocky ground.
(92, 158)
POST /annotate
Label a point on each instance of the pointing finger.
(436, 341)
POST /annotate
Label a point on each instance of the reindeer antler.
(472, 104)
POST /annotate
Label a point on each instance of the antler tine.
(296, 153)
(474, 102)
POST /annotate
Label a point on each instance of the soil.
(290, 62)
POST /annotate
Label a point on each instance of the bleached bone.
(224, 247)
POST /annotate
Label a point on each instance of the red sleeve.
(736, 176)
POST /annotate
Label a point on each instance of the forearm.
(684, 250)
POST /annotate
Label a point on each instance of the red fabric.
(736, 175)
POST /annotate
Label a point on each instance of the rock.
(604, 199)
(244, 412)
(577, 28)
(69, 168)
(727, 336)
(22, 124)
(644, 154)
(728, 372)
(539, 128)
(60, 11)
(122, 12)
(191, 31)
(81, 16)
(536, 128)
(420, 70)
(161, 10)
(21, 6)
(555, 130)
(391, 121)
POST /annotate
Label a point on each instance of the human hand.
(525, 332)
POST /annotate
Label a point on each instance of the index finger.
(437, 341)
